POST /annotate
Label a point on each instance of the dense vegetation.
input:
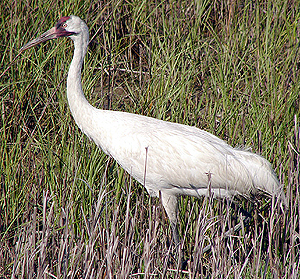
(69, 211)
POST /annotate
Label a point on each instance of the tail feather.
(262, 175)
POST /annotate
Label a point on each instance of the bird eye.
(65, 25)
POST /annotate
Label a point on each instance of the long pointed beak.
(53, 33)
(50, 34)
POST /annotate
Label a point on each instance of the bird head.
(67, 26)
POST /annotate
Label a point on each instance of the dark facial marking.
(61, 30)
(61, 21)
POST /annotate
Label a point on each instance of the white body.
(174, 158)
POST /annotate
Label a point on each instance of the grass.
(69, 211)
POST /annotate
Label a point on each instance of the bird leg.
(176, 237)
(170, 204)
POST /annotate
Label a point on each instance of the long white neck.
(79, 106)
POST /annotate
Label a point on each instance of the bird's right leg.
(170, 203)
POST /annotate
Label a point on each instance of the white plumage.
(167, 158)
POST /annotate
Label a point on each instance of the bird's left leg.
(170, 203)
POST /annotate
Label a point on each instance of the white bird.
(169, 159)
